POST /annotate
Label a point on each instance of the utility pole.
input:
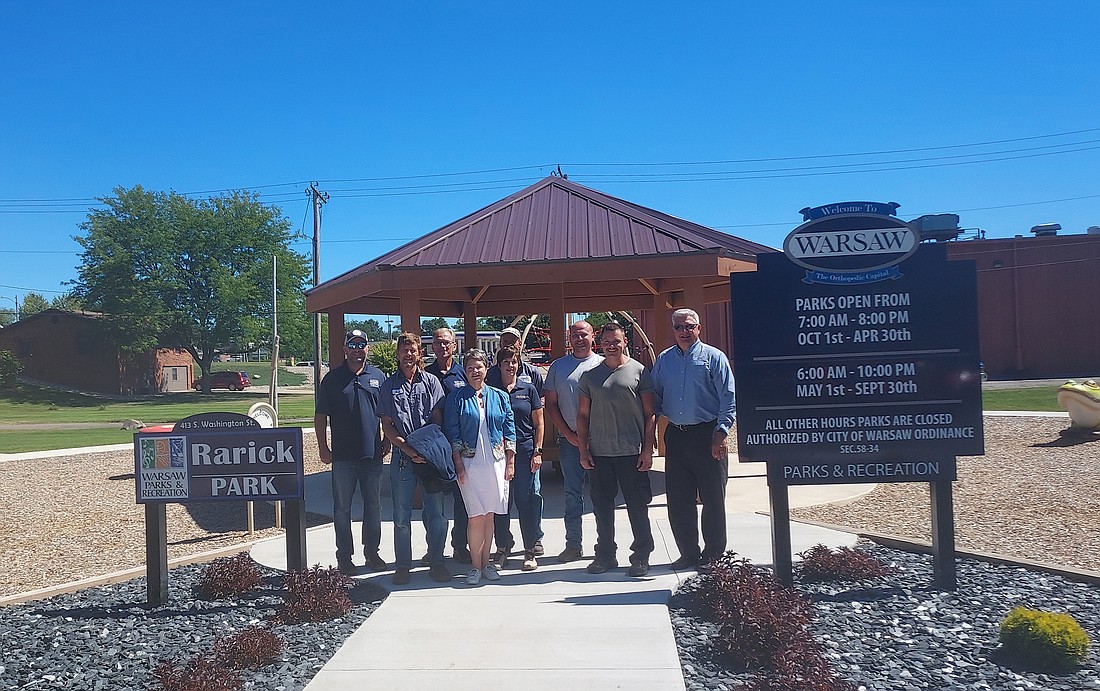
(318, 198)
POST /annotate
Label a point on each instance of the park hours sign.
(856, 353)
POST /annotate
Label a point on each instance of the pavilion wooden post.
(335, 339)
(469, 326)
(694, 295)
(409, 304)
(558, 326)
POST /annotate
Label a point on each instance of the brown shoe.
(529, 562)
(401, 575)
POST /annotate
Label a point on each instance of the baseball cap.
(354, 334)
(510, 330)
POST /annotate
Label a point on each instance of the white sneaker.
(490, 572)
(474, 577)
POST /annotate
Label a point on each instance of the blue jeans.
(402, 485)
(525, 492)
(575, 476)
(346, 477)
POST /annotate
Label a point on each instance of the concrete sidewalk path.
(551, 628)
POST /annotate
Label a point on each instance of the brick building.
(71, 349)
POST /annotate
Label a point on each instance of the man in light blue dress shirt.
(694, 385)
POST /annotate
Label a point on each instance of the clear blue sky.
(381, 104)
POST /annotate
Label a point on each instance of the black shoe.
(401, 575)
(347, 567)
(439, 573)
(426, 560)
(462, 556)
(684, 563)
(570, 554)
(602, 565)
(538, 550)
(376, 563)
(638, 568)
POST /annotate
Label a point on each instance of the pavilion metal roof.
(556, 231)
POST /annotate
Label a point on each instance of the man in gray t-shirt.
(561, 392)
(616, 429)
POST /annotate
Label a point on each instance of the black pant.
(691, 470)
(459, 538)
(611, 474)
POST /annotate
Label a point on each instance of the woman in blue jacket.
(478, 422)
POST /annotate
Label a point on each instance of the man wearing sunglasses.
(347, 399)
(694, 386)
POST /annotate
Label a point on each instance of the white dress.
(485, 490)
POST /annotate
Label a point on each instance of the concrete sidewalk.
(547, 629)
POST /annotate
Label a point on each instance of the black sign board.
(858, 377)
(219, 457)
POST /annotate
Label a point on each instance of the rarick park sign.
(217, 457)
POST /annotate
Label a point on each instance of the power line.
(51, 205)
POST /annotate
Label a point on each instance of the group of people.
(605, 409)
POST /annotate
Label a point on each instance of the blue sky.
(988, 110)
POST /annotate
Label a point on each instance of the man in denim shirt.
(407, 401)
(694, 385)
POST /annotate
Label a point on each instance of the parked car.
(234, 381)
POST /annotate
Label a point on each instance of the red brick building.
(70, 349)
(1038, 304)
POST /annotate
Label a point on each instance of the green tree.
(383, 355)
(10, 367)
(33, 303)
(66, 301)
(370, 327)
(428, 326)
(196, 274)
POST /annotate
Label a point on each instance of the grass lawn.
(23, 404)
(258, 372)
(1038, 398)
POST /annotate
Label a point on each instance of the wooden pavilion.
(557, 248)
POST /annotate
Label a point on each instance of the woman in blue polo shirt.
(526, 488)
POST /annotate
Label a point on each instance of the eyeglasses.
(357, 345)
(685, 327)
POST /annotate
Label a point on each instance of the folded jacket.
(438, 474)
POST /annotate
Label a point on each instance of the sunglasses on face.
(685, 327)
(357, 345)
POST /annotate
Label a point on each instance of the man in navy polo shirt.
(347, 399)
(451, 376)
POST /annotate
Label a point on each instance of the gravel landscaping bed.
(1034, 495)
(897, 633)
(103, 637)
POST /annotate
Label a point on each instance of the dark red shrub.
(253, 647)
(201, 673)
(821, 564)
(315, 594)
(227, 577)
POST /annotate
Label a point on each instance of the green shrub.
(10, 367)
(821, 564)
(383, 355)
(227, 577)
(1044, 639)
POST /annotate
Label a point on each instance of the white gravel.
(1033, 495)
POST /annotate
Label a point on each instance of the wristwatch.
(538, 449)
